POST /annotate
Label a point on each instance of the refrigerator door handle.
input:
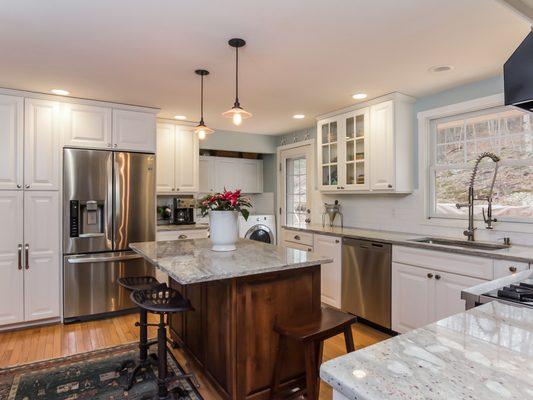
(97, 259)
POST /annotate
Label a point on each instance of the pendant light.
(237, 113)
(201, 129)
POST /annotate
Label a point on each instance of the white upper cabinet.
(41, 144)
(86, 126)
(134, 131)
(369, 148)
(177, 159)
(42, 265)
(382, 146)
(11, 142)
(206, 175)
(186, 159)
(226, 174)
(11, 253)
(251, 176)
(219, 173)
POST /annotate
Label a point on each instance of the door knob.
(512, 269)
(430, 275)
(437, 277)
(19, 186)
(27, 186)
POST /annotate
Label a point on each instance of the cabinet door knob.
(182, 237)
(27, 256)
(20, 256)
(337, 241)
(430, 275)
(115, 145)
(109, 145)
(309, 249)
(512, 269)
(437, 277)
(390, 186)
(297, 237)
(27, 186)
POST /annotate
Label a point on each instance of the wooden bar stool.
(311, 334)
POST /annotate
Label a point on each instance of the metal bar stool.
(132, 283)
(163, 300)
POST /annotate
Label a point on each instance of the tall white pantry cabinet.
(33, 130)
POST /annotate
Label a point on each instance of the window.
(296, 190)
(456, 142)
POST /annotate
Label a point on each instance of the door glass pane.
(333, 153)
(333, 177)
(360, 150)
(349, 127)
(360, 173)
(350, 174)
(296, 190)
(325, 154)
(325, 133)
(325, 175)
(350, 150)
(333, 132)
(360, 126)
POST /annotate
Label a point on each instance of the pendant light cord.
(202, 100)
(237, 77)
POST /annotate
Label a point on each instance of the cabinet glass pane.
(333, 178)
(360, 173)
(350, 174)
(350, 151)
(325, 154)
(360, 126)
(325, 175)
(325, 133)
(349, 127)
(360, 150)
(333, 132)
(333, 153)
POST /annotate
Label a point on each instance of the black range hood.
(518, 76)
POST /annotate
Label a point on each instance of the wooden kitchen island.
(238, 296)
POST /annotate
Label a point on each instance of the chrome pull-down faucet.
(469, 232)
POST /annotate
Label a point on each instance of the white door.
(295, 183)
(41, 145)
(448, 289)
(11, 242)
(86, 126)
(412, 297)
(11, 142)
(134, 131)
(165, 158)
(330, 274)
(251, 176)
(187, 159)
(226, 174)
(206, 172)
(382, 160)
(42, 266)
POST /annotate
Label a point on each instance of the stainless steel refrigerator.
(108, 202)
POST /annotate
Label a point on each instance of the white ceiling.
(303, 56)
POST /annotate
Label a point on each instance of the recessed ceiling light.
(359, 96)
(180, 117)
(60, 92)
(298, 116)
(440, 68)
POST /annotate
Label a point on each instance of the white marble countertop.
(484, 353)
(193, 261)
(514, 253)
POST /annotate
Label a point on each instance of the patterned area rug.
(90, 375)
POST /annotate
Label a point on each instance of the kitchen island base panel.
(230, 333)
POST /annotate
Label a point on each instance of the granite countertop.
(484, 353)
(193, 261)
(514, 253)
(188, 227)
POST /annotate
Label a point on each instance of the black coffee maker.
(183, 212)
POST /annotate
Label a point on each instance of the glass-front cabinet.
(328, 153)
(354, 168)
(343, 151)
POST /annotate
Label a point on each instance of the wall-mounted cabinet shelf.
(367, 149)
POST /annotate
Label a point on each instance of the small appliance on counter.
(332, 210)
(184, 211)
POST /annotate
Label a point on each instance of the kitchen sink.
(461, 243)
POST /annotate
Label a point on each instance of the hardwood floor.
(41, 343)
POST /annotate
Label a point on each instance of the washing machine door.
(260, 233)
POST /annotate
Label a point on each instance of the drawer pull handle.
(437, 277)
(512, 269)
(182, 237)
(297, 237)
(430, 275)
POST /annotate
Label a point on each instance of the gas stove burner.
(520, 292)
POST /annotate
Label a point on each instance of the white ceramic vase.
(224, 230)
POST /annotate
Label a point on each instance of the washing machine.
(258, 227)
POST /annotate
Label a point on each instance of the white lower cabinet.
(421, 296)
(330, 281)
(29, 256)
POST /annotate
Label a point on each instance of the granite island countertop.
(193, 261)
(512, 253)
(483, 353)
(182, 227)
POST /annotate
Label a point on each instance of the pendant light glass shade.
(237, 113)
(201, 129)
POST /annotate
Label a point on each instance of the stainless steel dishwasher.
(366, 280)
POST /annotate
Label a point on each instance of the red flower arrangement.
(227, 201)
